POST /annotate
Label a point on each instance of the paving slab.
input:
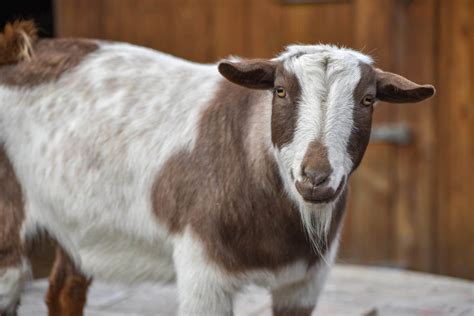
(350, 291)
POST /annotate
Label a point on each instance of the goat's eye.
(280, 92)
(368, 100)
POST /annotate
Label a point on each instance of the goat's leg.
(300, 298)
(14, 273)
(14, 266)
(68, 287)
(56, 283)
(202, 290)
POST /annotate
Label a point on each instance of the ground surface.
(351, 290)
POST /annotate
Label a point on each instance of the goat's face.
(323, 99)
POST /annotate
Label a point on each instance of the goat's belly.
(112, 237)
(115, 245)
(117, 258)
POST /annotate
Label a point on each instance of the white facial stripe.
(339, 121)
(311, 77)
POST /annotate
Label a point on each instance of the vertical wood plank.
(183, 27)
(329, 23)
(368, 234)
(414, 204)
(193, 30)
(263, 27)
(455, 135)
(78, 18)
(229, 34)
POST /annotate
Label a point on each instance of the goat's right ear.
(397, 89)
(254, 73)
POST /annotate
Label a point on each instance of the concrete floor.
(351, 290)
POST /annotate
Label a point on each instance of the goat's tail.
(16, 42)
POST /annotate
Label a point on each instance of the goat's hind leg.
(68, 287)
(14, 266)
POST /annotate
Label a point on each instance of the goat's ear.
(397, 89)
(254, 73)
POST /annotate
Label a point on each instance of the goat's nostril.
(315, 176)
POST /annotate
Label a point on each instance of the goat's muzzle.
(314, 192)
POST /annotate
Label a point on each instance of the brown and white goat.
(146, 167)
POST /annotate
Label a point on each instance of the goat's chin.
(318, 206)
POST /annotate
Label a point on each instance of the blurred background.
(412, 200)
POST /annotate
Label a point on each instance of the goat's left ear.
(397, 89)
(254, 73)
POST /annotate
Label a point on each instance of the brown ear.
(397, 89)
(254, 74)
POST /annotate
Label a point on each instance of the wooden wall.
(411, 206)
(455, 139)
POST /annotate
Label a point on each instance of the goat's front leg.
(202, 289)
(14, 273)
(300, 298)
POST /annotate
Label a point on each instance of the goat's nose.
(317, 177)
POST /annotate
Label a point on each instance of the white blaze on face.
(309, 124)
(328, 76)
(338, 124)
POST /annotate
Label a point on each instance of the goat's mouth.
(316, 194)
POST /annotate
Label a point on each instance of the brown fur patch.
(16, 42)
(284, 110)
(67, 292)
(361, 115)
(11, 214)
(242, 215)
(52, 57)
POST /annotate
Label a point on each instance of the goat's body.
(87, 150)
(146, 167)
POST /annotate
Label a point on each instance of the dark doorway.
(41, 11)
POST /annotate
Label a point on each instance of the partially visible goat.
(146, 167)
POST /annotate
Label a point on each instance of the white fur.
(12, 280)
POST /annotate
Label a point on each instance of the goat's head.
(323, 99)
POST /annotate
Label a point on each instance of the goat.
(146, 167)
